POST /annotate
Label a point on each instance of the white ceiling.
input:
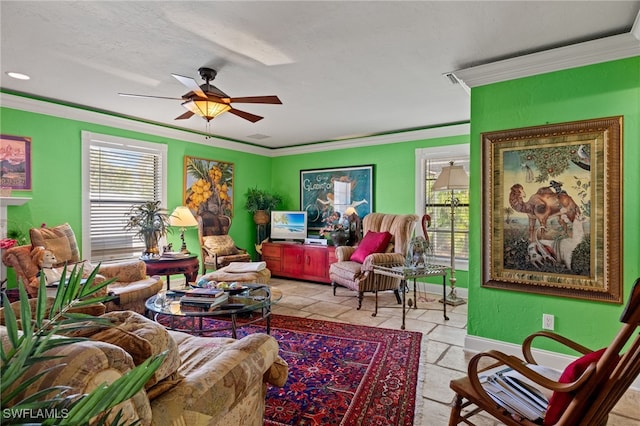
(342, 69)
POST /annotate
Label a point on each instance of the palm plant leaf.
(39, 334)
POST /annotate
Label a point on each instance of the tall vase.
(151, 245)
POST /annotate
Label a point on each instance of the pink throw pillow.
(560, 400)
(373, 242)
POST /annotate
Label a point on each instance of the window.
(437, 204)
(117, 173)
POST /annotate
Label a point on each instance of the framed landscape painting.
(552, 213)
(325, 191)
(15, 162)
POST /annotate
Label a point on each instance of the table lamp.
(452, 178)
(183, 218)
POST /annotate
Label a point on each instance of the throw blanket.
(241, 267)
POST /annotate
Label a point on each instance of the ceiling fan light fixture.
(205, 108)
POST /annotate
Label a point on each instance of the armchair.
(218, 248)
(586, 391)
(359, 276)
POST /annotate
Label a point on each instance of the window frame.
(455, 152)
(89, 139)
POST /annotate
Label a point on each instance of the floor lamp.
(182, 218)
(452, 178)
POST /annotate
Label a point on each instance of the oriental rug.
(341, 374)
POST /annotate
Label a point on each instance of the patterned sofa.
(203, 380)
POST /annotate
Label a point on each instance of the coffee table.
(253, 299)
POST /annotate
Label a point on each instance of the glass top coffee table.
(255, 299)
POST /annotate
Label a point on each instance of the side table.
(174, 265)
(408, 273)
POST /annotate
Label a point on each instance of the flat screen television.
(288, 225)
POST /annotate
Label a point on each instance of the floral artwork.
(208, 187)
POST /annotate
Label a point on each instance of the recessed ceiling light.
(18, 75)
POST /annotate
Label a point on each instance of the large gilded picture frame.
(552, 209)
(208, 191)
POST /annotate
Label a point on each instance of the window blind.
(437, 205)
(119, 177)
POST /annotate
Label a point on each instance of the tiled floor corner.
(442, 358)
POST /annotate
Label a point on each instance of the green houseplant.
(151, 222)
(22, 349)
(260, 203)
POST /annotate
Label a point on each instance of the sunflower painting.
(208, 187)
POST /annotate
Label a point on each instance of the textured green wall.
(57, 185)
(601, 90)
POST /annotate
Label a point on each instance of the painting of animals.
(551, 199)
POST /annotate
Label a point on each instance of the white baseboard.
(475, 344)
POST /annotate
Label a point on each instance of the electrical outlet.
(547, 322)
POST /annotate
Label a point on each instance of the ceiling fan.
(208, 101)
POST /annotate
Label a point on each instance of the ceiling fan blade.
(187, 114)
(246, 115)
(190, 84)
(132, 95)
(257, 100)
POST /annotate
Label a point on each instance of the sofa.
(202, 381)
(131, 288)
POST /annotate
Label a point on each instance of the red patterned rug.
(342, 374)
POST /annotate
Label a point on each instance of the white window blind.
(428, 166)
(438, 206)
(120, 175)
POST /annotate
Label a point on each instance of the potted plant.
(260, 203)
(151, 222)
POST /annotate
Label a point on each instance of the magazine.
(516, 393)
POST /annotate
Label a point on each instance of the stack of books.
(516, 393)
(206, 298)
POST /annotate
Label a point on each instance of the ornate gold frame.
(544, 188)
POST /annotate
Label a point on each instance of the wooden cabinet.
(299, 261)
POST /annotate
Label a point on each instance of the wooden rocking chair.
(589, 397)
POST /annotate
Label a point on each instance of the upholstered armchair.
(131, 288)
(354, 268)
(218, 248)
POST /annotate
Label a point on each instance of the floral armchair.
(354, 268)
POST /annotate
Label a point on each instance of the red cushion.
(560, 400)
(373, 242)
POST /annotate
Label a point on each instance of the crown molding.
(104, 119)
(576, 55)
(399, 137)
(74, 113)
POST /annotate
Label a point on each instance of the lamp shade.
(205, 108)
(451, 178)
(182, 217)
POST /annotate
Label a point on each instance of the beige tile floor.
(443, 357)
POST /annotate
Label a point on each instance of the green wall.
(394, 175)
(588, 92)
(56, 178)
(595, 91)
